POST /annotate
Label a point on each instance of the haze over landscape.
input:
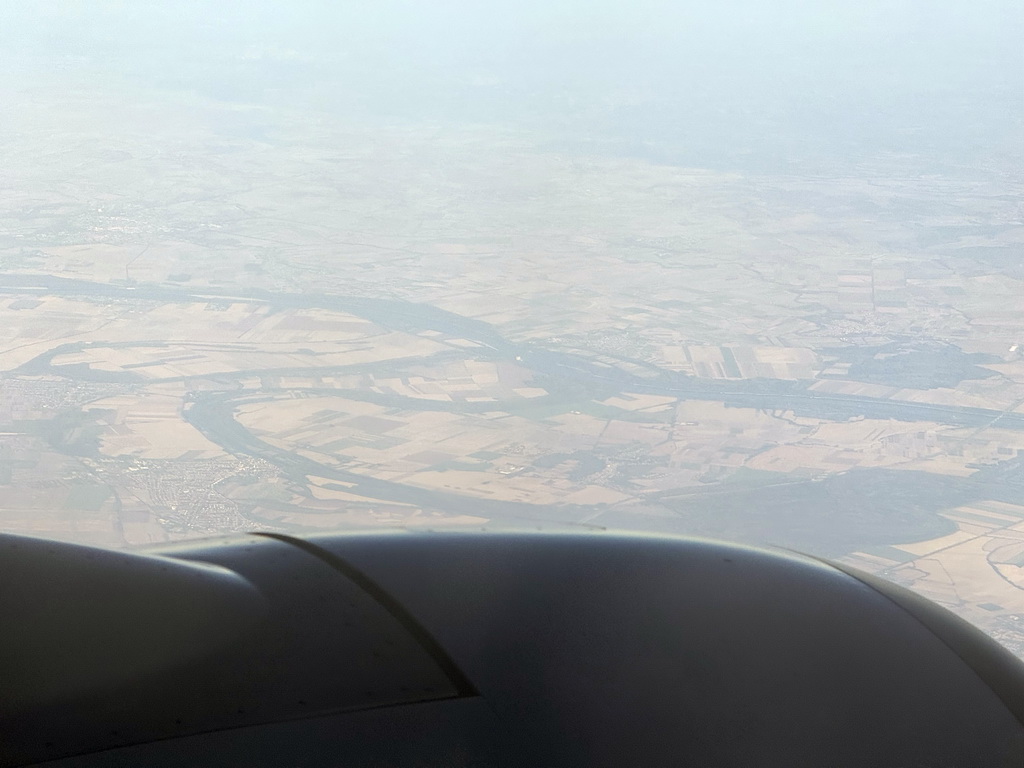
(751, 271)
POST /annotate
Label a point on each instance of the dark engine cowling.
(486, 649)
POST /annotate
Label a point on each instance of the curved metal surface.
(997, 667)
(554, 650)
(78, 619)
(299, 641)
(604, 650)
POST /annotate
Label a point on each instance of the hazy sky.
(721, 79)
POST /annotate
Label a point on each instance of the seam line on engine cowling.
(462, 684)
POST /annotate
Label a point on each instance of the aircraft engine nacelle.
(485, 649)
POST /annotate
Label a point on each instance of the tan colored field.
(975, 571)
(595, 494)
(640, 402)
(489, 484)
(415, 442)
(330, 494)
(582, 426)
(149, 425)
(628, 433)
